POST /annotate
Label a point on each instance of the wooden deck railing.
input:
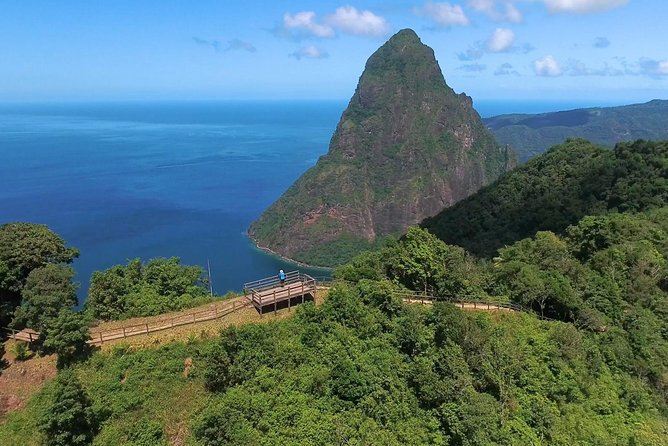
(270, 290)
(271, 282)
(102, 336)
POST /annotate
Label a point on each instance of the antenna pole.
(208, 265)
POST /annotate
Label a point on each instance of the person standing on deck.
(281, 277)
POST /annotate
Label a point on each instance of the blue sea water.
(162, 179)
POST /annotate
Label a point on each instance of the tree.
(418, 260)
(148, 289)
(48, 290)
(107, 293)
(25, 247)
(67, 336)
(68, 419)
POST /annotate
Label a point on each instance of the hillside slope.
(555, 190)
(530, 135)
(406, 147)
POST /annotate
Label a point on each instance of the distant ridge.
(406, 147)
(532, 134)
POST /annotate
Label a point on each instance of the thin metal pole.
(208, 265)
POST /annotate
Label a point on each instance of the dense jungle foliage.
(555, 190)
(145, 289)
(365, 368)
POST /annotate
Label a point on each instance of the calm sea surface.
(162, 179)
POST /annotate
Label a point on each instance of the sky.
(594, 50)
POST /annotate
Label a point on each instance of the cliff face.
(405, 148)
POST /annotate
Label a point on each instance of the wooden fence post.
(146, 328)
(124, 333)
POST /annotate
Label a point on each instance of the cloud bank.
(504, 10)
(345, 19)
(234, 44)
(547, 66)
(443, 14)
(582, 6)
(309, 52)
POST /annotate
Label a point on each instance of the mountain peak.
(405, 34)
(406, 147)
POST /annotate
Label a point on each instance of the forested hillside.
(531, 135)
(365, 368)
(554, 190)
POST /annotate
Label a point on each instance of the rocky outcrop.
(405, 148)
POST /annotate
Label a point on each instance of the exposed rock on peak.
(406, 147)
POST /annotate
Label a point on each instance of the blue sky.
(589, 50)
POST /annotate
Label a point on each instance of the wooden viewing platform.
(269, 291)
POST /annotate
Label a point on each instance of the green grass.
(137, 393)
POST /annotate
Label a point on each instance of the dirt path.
(21, 379)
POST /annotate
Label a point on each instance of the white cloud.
(349, 19)
(662, 67)
(499, 10)
(578, 68)
(309, 52)
(505, 69)
(547, 66)
(653, 68)
(444, 14)
(346, 19)
(473, 67)
(474, 52)
(512, 14)
(582, 6)
(601, 42)
(304, 22)
(238, 44)
(501, 40)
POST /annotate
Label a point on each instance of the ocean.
(162, 179)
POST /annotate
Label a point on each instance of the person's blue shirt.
(281, 275)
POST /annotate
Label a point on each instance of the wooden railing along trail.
(267, 292)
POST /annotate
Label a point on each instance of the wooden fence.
(25, 335)
(100, 337)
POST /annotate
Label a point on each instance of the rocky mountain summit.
(406, 147)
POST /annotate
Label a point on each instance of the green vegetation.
(24, 248)
(68, 419)
(21, 351)
(46, 292)
(531, 135)
(37, 291)
(138, 289)
(367, 368)
(405, 147)
(67, 336)
(556, 190)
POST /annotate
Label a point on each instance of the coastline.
(273, 253)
